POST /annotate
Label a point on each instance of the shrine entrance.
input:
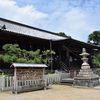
(28, 77)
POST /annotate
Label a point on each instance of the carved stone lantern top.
(84, 54)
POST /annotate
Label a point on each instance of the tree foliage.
(96, 60)
(46, 56)
(13, 53)
(62, 33)
(94, 38)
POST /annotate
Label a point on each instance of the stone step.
(86, 73)
(85, 70)
(67, 81)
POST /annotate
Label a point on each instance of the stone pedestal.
(86, 77)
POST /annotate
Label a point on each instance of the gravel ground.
(55, 92)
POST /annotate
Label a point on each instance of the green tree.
(62, 33)
(13, 53)
(46, 56)
(96, 60)
(94, 38)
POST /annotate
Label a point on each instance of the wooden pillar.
(67, 59)
(15, 79)
(59, 52)
(44, 80)
(51, 55)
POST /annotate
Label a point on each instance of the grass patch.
(3, 75)
(49, 73)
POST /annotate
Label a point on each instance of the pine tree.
(13, 53)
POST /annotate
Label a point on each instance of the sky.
(76, 18)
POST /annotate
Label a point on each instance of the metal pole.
(51, 55)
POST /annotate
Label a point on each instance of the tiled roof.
(30, 31)
(27, 65)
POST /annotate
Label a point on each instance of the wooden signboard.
(28, 77)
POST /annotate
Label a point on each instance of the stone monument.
(86, 77)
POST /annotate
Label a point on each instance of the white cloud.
(27, 14)
(76, 18)
(73, 22)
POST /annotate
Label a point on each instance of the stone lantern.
(85, 59)
(86, 77)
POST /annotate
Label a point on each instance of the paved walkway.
(55, 92)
